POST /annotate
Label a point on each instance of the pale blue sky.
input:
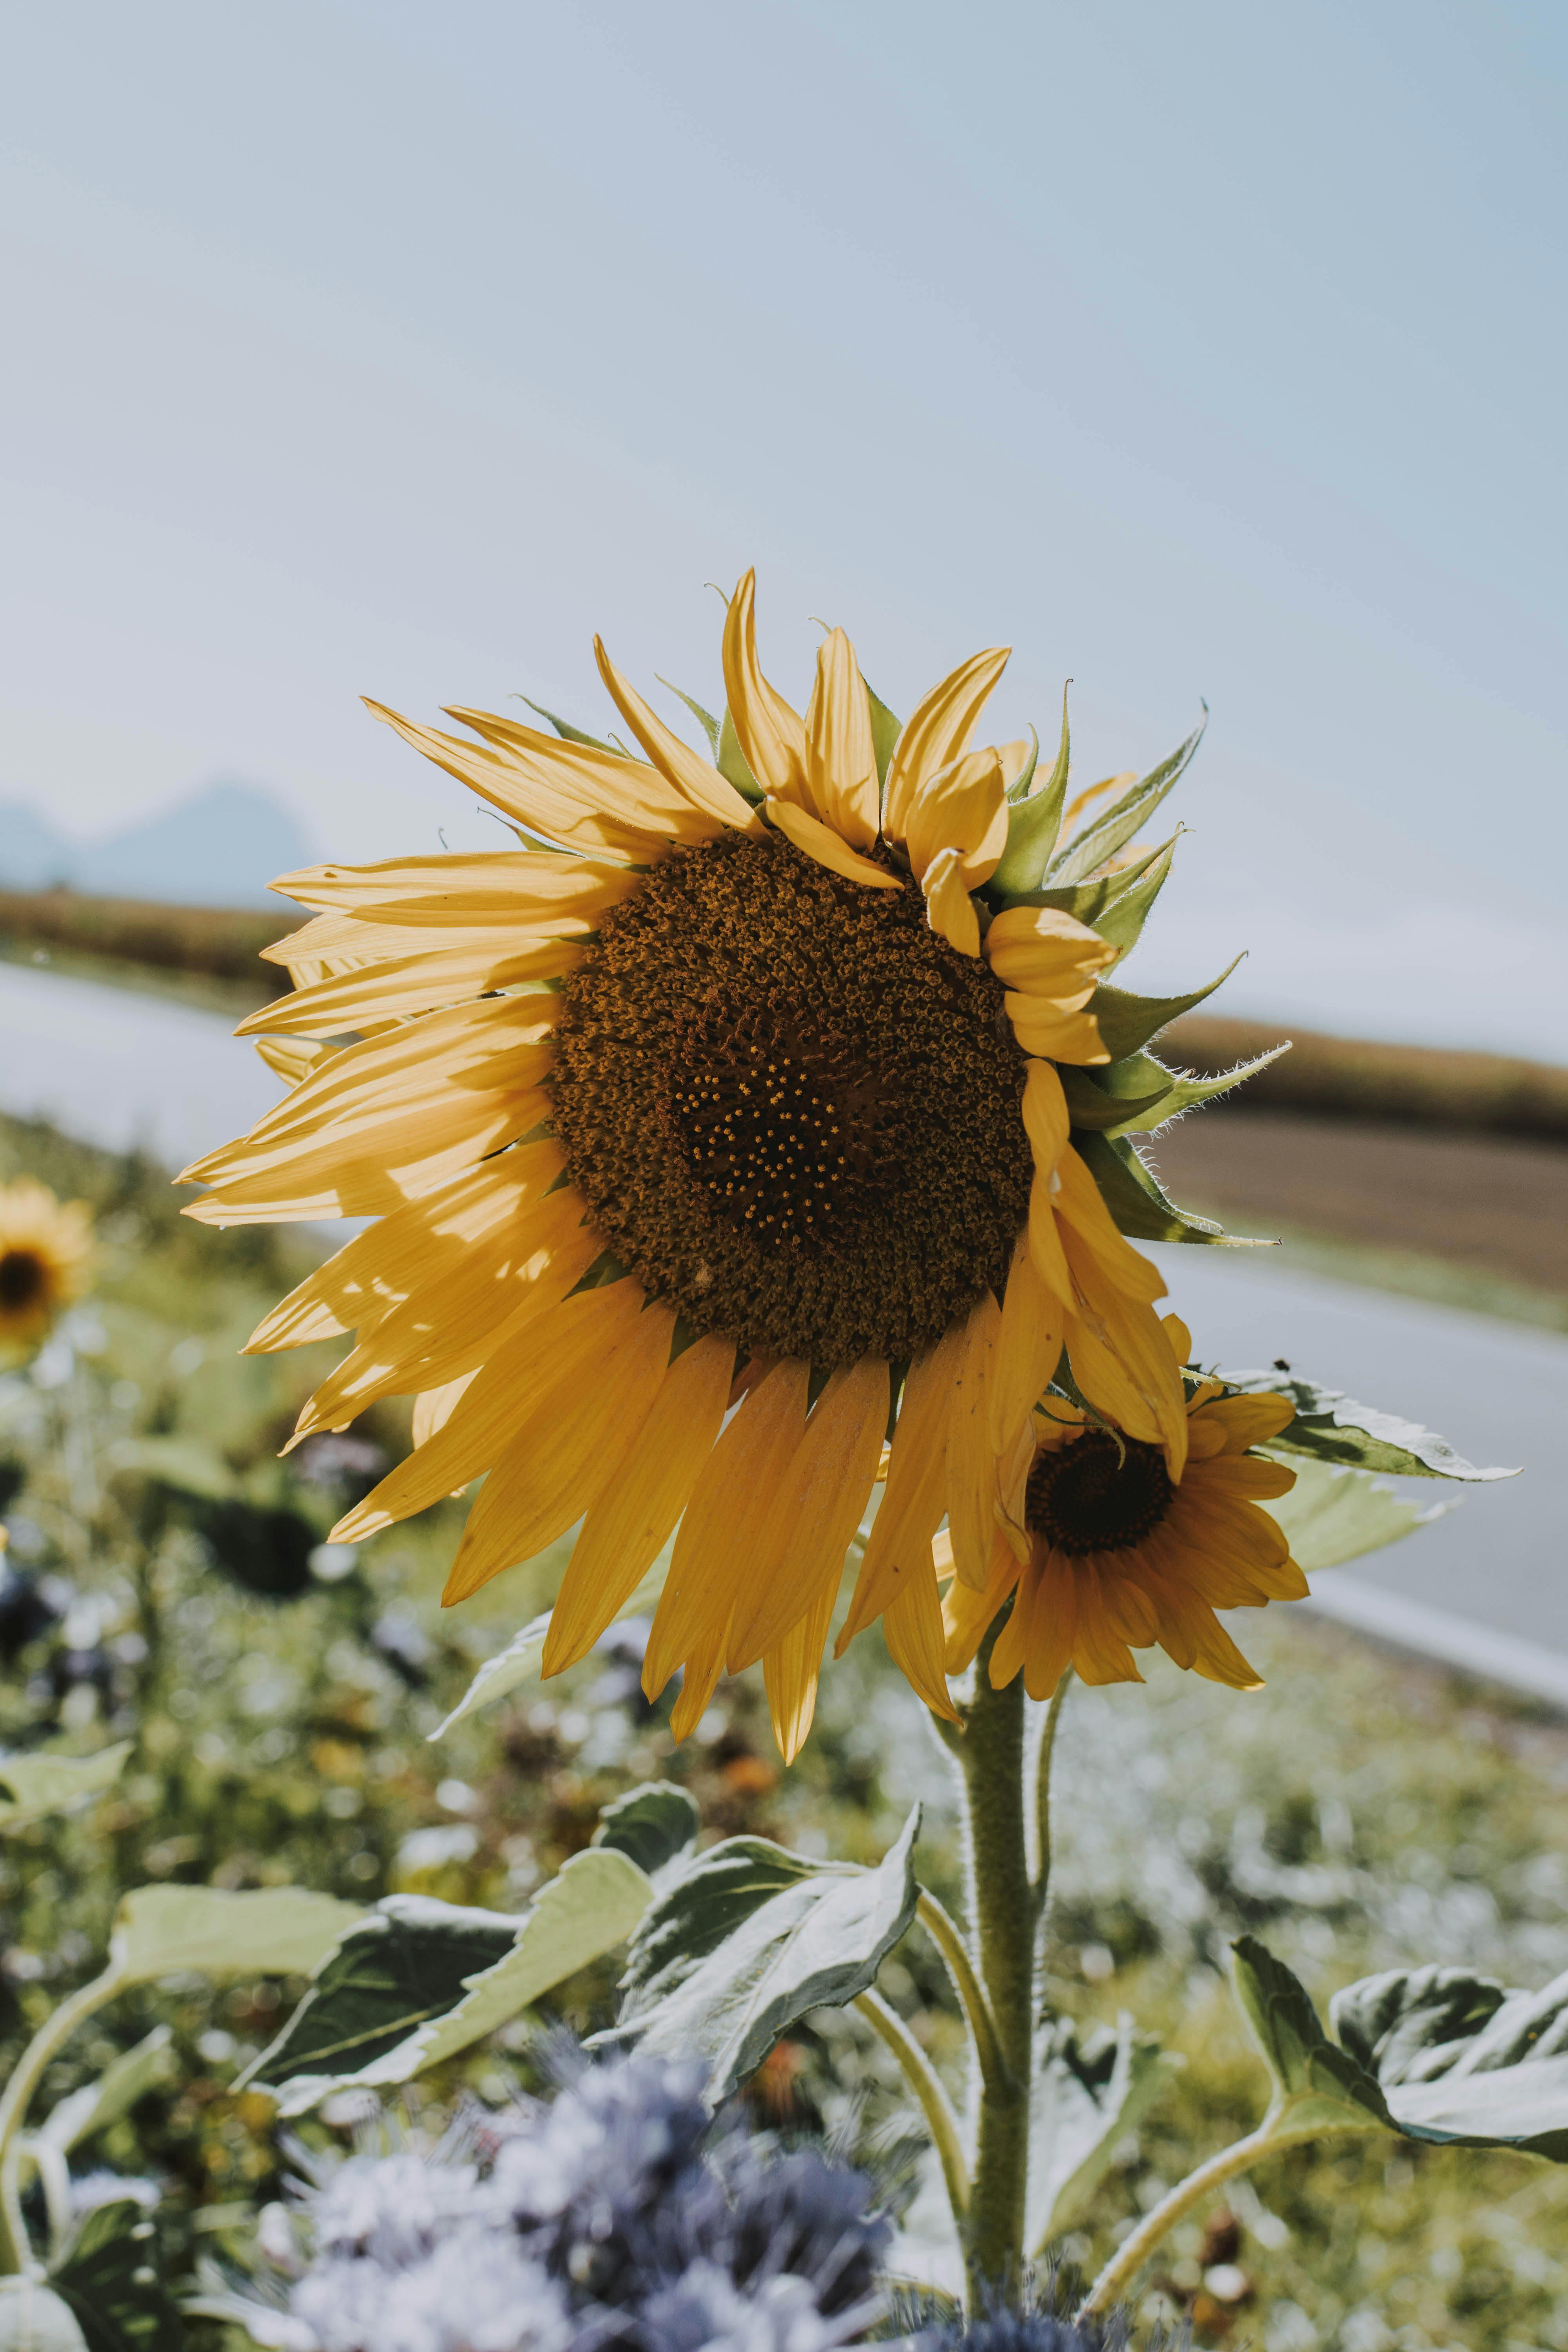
(1211, 351)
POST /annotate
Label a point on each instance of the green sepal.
(1087, 901)
(885, 732)
(1138, 1203)
(1018, 790)
(570, 734)
(1033, 827)
(1090, 848)
(1317, 2085)
(1332, 1427)
(1121, 924)
(730, 761)
(1099, 1104)
(705, 719)
(1127, 1022)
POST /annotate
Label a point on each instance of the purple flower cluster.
(614, 2218)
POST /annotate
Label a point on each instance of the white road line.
(1458, 1641)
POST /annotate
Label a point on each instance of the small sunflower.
(46, 1246)
(714, 1135)
(1101, 1552)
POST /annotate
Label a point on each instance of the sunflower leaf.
(1141, 1209)
(1109, 833)
(1332, 1427)
(570, 734)
(884, 731)
(730, 762)
(1462, 2058)
(1332, 1515)
(281, 1929)
(705, 719)
(1127, 1022)
(520, 1660)
(31, 1785)
(1317, 2084)
(110, 2283)
(1091, 2091)
(655, 1826)
(748, 1939)
(1033, 826)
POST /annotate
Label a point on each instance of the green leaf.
(98, 2105)
(32, 1786)
(730, 761)
(1331, 1427)
(1091, 2090)
(1121, 924)
(570, 734)
(654, 1826)
(751, 1938)
(1033, 827)
(1462, 2058)
(1109, 833)
(1128, 1023)
(1133, 1195)
(885, 732)
(520, 1660)
(284, 1930)
(1322, 2086)
(110, 2281)
(182, 1462)
(705, 719)
(1332, 1515)
(438, 1979)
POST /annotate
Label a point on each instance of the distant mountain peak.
(219, 846)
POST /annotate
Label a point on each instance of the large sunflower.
(1102, 1547)
(46, 1249)
(735, 1086)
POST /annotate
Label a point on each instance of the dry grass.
(219, 943)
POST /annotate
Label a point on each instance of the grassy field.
(1357, 1813)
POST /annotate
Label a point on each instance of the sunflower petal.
(691, 776)
(791, 1670)
(770, 735)
(411, 984)
(965, 807)
(626, 1528)
(841, 755)
(971, 1461)
(911, 1627)
(817, 1506)
(1041, 1028)
(935, 733)
(950, 909)
(809, 834)
(527, 793)
(1028, 1348)
(899, 1550)
(967, 1612)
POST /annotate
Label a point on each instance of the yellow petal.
(817, 840)
(523, 888)
(704, 1668)
(292, 1058)
(626, 1528)
(1081, 1205)
(579, 1334)
(730, 1510)
(965, 807)
(1180, 1337)
(770, 735)
(527, 794)
(627, 790)
(1028, 1348)
(950, 909)
(694, 776)
(1057, 1036)
(935, 733)
(966, 1614)
(913, 1629)
(899, 1550)
(570, 1446)
(435, 1409)
(816, 1507)
(415, 984)
(1044, 951)
(841, 757)
(971, 1461)
(791, 1670)
(1248, 1420)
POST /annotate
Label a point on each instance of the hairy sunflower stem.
(1003, 1910)
(15, 2254)
(924, 2080)
(1042, 1793)
(1274, 2132)
(948, 1938)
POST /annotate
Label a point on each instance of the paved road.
(1487, 1585)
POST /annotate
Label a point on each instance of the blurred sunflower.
(740, 1096)
(46, 1249)
(1101, 1552)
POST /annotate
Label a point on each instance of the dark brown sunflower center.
(1096, 1495)
(21, 1279)
(792, 1109)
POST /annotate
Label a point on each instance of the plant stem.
(16, 2254)
(924, 2080)
(948, 1937)
(1042, 1793)
(1003, 1910)
(1272, 2133)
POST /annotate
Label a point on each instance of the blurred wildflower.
(46, 1252)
